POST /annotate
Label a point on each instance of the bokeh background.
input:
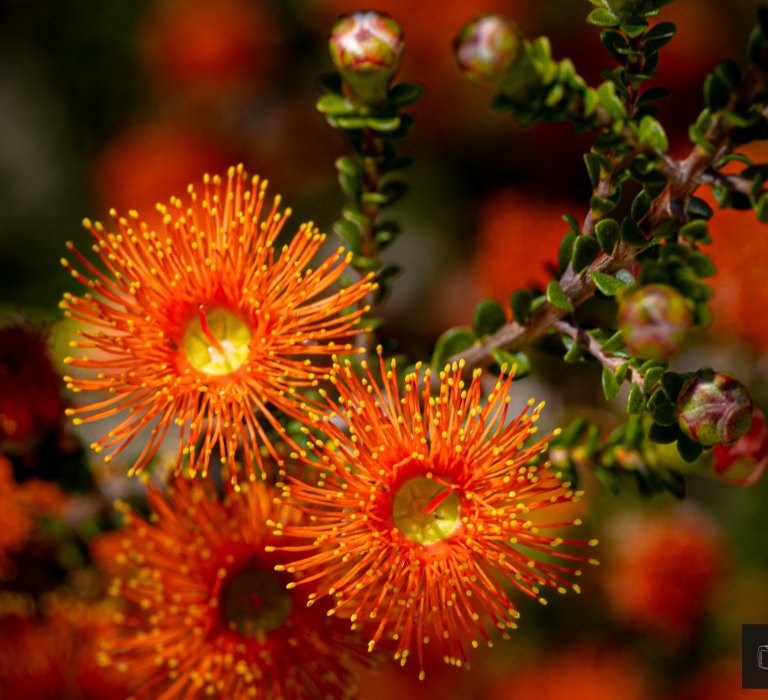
(121, 104)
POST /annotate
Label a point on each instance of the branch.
(684, 178)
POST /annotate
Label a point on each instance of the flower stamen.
(425, 511)
(217, 343)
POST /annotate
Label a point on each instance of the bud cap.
(714, 408)
(366, 48)
(654, 321)
(486, 48)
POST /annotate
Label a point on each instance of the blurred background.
(122, 104)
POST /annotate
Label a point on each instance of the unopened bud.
(714, 408)
(744, 462)
(654, 321)
(486, 48)
(366, 48)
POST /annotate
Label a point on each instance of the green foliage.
(645, 225)
(489, 316)
(452, 342)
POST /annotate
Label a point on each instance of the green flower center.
(255, 602)
(426, 511)
(216, 342)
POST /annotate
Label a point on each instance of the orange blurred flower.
(530, 226)
(664, 569)
(206, 325)
(22, 505)
(740, 298)
(585, 673)
(150, 163)
(207, 614)
(53, 655)
(30, 404)
(209, 45)
(422, 510)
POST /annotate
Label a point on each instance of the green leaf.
(593, 169)
(716, 93)
(603, 17)
(378, 198)
(520, 303)
(702, 264)
(664, 413)
(383, 124)
(699, 209)
(602, 205)
(607, 234)
(611, 385)
(556, 296)
(608, 479)
(610, 101)
(671, 383)
(653, 95)
(650, 133)
(641, 205)
(607, 284)
(335, 105)
(489, 316)
(729, 72)
(402, 94)
(350, 233)
(565, 250)
(613, 343)
(573, 433)
(574, 351)
(689, 450)
(632, 234)
(384, 279)
(651, 378)
(452, 342)
(663, 434)
(660, 34)
(585, 250)
(636, 400)
(517, 362)
(695, 230)
(570, 219)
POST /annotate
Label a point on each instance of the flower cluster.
(428, 505)
(208, 325)
(208, 616)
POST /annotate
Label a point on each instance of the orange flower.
(665, 570)
(207, 614)
(513, 221)
(582, 673)
(425, 507)
(149, 162)
(22, 505)
(206, 325)
(209, 46)
(53, 655)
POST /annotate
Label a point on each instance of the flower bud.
(654, 321)
(744, 462)
(714, 408)
(486, 48)
(366, 48)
